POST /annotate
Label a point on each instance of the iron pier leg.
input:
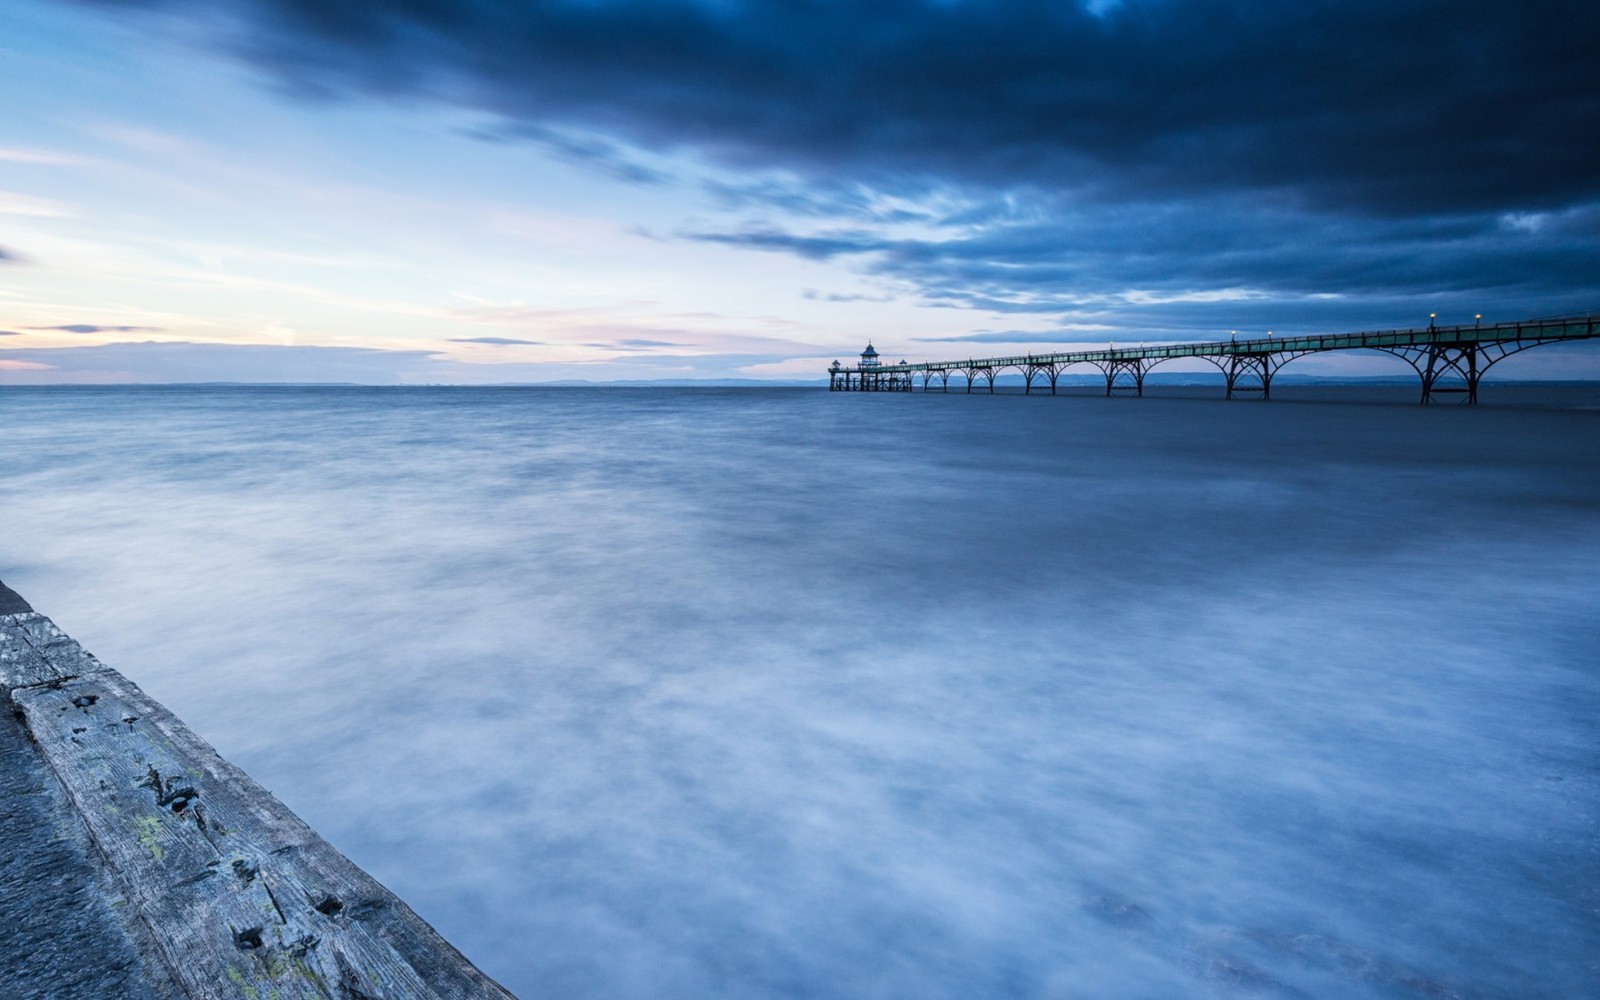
(1446, 359)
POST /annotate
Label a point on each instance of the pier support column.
(1454, 368)
(1050, 372)
(1249, 373)
(1125, 374)
(1457, 366)
(1252, 371)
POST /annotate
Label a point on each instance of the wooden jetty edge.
(138, 863)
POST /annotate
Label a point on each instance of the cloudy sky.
(476, 191)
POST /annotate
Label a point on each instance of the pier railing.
(1448, 359)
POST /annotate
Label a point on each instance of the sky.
(467, 191)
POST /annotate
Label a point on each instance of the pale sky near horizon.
(191, 193)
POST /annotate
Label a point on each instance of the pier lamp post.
(1477, 320)
(1431, 318)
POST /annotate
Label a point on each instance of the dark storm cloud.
(92, 328)
(1226, 261)
(501, 341)
(1165, 168)
(1381, 105)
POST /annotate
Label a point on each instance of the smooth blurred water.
(782, 693)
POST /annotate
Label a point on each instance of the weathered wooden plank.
(240, 896)
(20, 663)
(65, 930)
(60, 650)
(34, 651)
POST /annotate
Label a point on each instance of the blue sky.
(471, 192)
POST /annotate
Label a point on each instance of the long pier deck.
(137, 863)
(1450, 360)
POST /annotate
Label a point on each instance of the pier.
(1449, 360)
(136, 863)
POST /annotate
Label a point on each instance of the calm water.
(748, 694)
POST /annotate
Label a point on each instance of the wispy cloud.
(32, 206)
(184, 361)
(585, 149)
(94, 328)
(499, 341)
(40, 157)
(1062, 336)
(814, 295)
(635, 345)
(816, 246)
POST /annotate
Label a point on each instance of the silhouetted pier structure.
(1450, 360)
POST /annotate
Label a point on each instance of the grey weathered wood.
(239, 896)
(61, 651)
(65, 929)
(34, 651)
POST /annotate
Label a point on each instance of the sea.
(762, 693)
